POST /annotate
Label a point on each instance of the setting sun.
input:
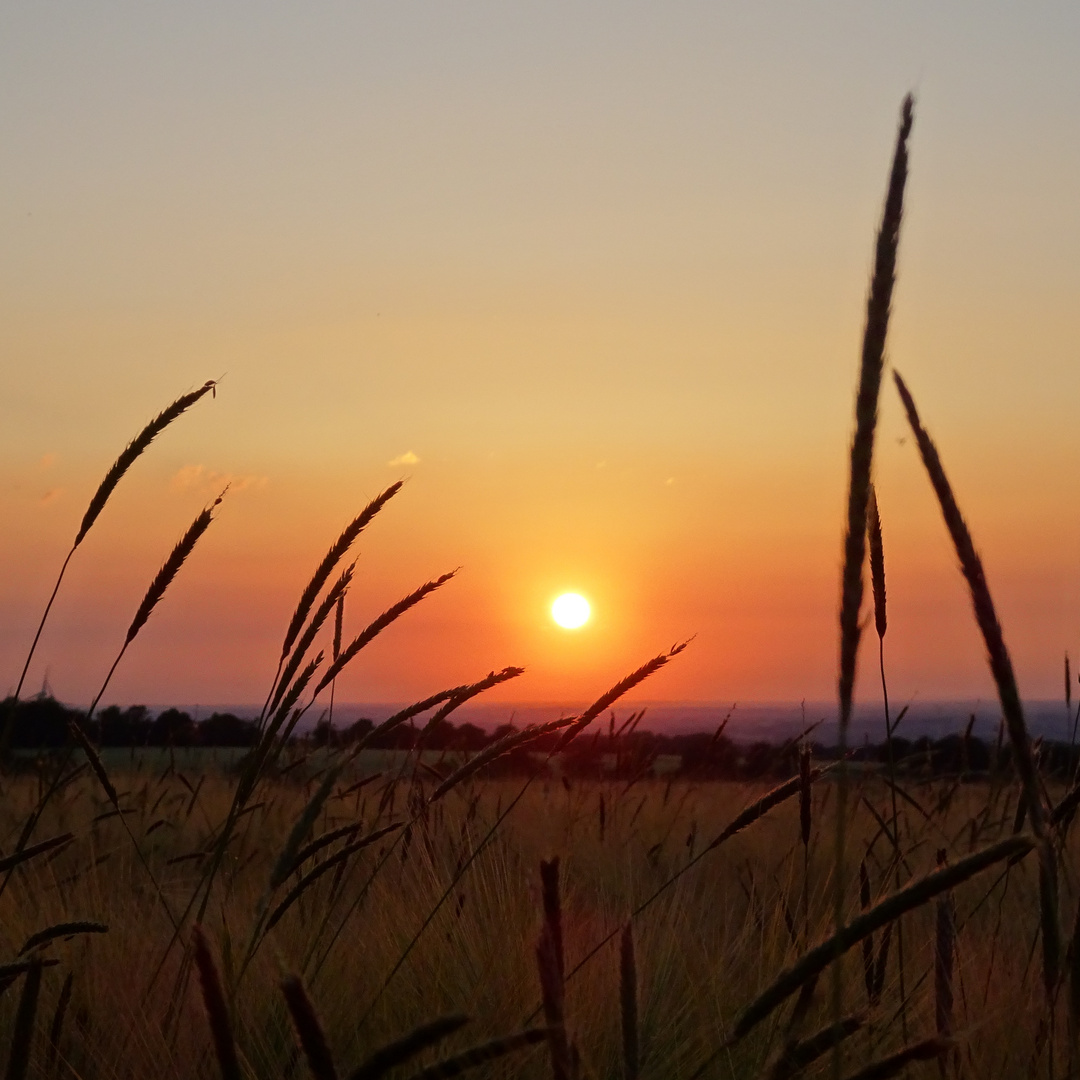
(571, 610)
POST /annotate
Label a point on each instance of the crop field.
(430, 921)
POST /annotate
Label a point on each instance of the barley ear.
(336, 553)
(552, 968)
(308, 1028)
(985, 613)
(798, 1056)
(877, 562)
(480, 1055)
(216, 1010)
(871, 365)
(377, 626)
(866, 404)
(897, 1063)
(64, 930)
(1004, 678)
(605, 701)
(101, 497)
(134, 450)
(407, 1047)
(171, 568)
(332, 599)
(23, 1032)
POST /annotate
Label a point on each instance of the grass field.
(703, 948)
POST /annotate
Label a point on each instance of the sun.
(571, 610)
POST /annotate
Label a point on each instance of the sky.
(592, 277)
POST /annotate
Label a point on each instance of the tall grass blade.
(62, 930)
(916, 894)
(481, 1055)
(330, 560)
(22, 1034)
(308, 1029)
(897, 1063)
(404, 1049)
(9, 862)
(802, 1054)
(216, 1010)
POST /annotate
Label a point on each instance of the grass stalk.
(861, 459)
(127, 458)
(1005, 681)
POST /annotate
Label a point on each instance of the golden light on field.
(571, 610)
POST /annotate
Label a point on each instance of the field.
(326, 910)
(703, 949)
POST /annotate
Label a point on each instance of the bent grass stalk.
(1005, 681)
(127, 458)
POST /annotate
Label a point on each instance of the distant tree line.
(42, 723)
(630, 753)
(610, 750)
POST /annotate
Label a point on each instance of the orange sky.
(599, 269)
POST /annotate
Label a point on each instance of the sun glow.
(571, 610)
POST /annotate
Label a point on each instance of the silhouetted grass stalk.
(881, 623)
(862, 451)
(127, 458)
(1005, 680)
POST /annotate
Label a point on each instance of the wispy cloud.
(408, 458)
(50, 496)
(47, 461)
(198, 478)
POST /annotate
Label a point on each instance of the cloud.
(669, 481)
(199, 478)
(408, 458)
(47, 461)
(50, 496)
(188, 477)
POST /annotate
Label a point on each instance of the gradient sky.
(592, 275)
